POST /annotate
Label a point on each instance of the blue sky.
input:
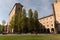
(43, 7)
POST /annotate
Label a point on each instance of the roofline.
(46, 16)
(14, 6)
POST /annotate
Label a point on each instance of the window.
(47, 25)
(51, 24)
(43, 23)
(47, 22)
(50, 17)
(46, 18)
(51, 21)
(18, 9)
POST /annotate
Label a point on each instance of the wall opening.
(48, 30)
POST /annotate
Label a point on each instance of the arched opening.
(41, 30)
(52, 29)
(44, 30)
(48, 30)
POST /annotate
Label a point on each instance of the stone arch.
(52, 30)
(48, 30)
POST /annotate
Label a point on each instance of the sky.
(43, 7)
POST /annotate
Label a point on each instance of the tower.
(55, 0)
(16, 8)
(56, 11)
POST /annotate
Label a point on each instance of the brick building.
(51, 22)
(16, 8)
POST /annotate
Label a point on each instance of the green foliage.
(30, 13)
(3, 22)
(1, 28)
(12, 22)
(19, 21)
(36, 23)
(35, 15)
(30, 20)
(23, 24)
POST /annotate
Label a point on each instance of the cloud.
(42, 6)
(5, 8)
(45, 8)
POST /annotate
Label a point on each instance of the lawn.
(31, 37)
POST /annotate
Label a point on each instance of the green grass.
(32, 37)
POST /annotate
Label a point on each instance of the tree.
(16, 23)
(1, 28)
(12, 24)
(17, 27)
(23, 24)
(3, 22)
(30, 20)
(36, 22)
(3, 25)
(19, 21)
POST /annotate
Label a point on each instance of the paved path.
(21, 34)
